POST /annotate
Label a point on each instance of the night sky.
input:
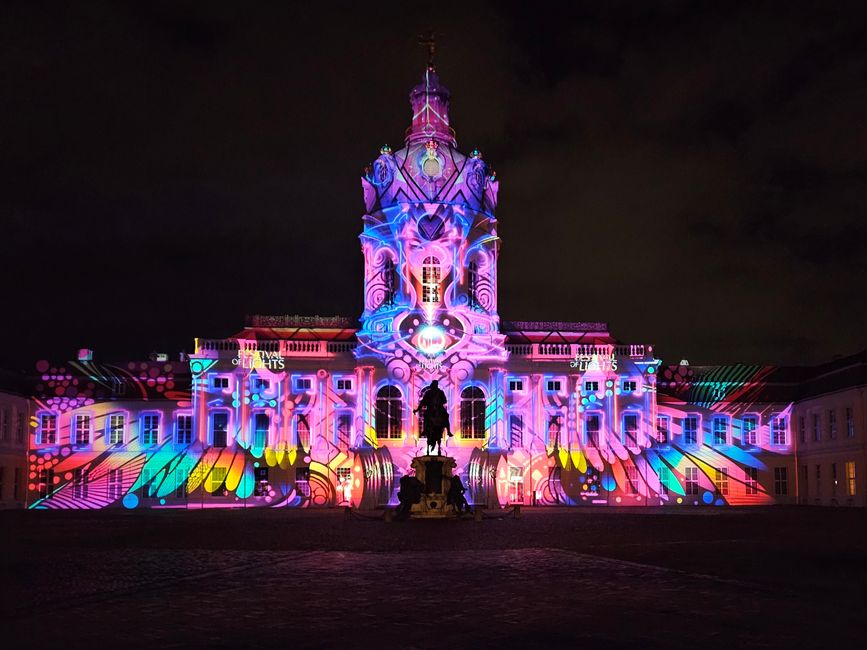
(695, 174)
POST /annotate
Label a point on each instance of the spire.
(430, 103)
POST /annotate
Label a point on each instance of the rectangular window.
(16, 489)
(553, 385)
(516, 385)
(302, 383)
(691, 478)
(663, 430)
(116, 423)
(850, 423)
(344, 384)
(818, 480)
(832, 424)
(720, 426)
(722, 480)
(629, 386)
(19, 427)
(630, 429)
(260, 383)
(302, 480)
(48, 428)
(261, 424)
(554, 429)
(220, 382)
(751, 480)
(79, 483)
(664, 480)
(216, 479)
(834, 479)
(220, 429)
(631, 478)
(850, 478)
(516, 431)
(591, 386)
(185, 429)
(817, 428)
(690, 430)
(182, 475)
(779, 435)
(802, 429)
(592, 425)
(2, 481)
(4, 423)
(46, 483)
(781, 481)
(302, 431)
(516, 485)
(751, 430)
(344, 430)
(115, 484)
(150, 428)
(82, 430)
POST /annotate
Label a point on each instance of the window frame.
(143, 416)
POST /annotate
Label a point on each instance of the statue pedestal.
(435, 473)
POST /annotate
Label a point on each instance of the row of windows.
(82, 429)
(516, 385)
(830, 429)
(11, 419)
(388, 413)
(849, 481)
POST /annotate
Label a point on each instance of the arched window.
(389, 279)
(472, 412)
(389, 412)
(473, 285)
(430, 280)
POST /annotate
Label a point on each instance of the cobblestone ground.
(560, 578)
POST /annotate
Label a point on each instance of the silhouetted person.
(456, 496)
(409, 493)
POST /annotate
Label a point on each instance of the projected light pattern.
(309, 411)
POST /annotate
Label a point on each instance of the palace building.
(309, 411)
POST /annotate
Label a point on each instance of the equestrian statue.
(435, 416)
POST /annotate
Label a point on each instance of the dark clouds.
(694, 173)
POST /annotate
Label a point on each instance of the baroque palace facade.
(310, 411)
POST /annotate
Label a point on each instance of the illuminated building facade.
(309, 411)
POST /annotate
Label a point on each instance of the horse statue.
(436, 417)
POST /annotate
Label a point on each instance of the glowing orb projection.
(431, 340)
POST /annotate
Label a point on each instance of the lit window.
(664, 480)
(79, 483)
(630, 429)
(185, 429)
(220, 428)
(116, 423)
(302, 431)
(516, 385)
(516, 431)
(751, 480)
(663, 430)
(220, 382)
(302, 481)
(555, 428)
(389, 413)
(115, 484)
(150, 428)
(302, 383)
(720, 430)
(751, 427)
(261, 424)
(629, 386)
(48, 428)
(81, 430)
(472, 412)
(781, 481)
(631, 479)
(592, 425)
(690, 430)
(850, 478)
(691, 478)
(591, 386)
(553, 385)
(216, 478)
(779, 435)
(430, 280)
(722, 480)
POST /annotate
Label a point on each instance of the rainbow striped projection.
(311, 411)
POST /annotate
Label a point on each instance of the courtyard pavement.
(568, 578)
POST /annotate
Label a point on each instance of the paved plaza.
(763, 578)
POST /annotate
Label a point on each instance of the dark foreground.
(760, 578)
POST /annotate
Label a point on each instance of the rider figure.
(434, 399)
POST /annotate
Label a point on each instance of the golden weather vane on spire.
(429, 40)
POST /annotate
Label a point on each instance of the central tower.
(430, 250)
